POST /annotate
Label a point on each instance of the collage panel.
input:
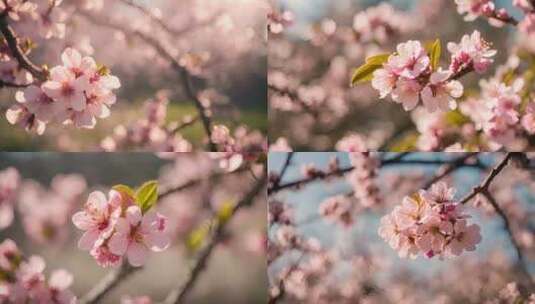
(123, 75)
(401, 75)
(384, 228)
(131, 228)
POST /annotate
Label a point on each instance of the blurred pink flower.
(9, 184)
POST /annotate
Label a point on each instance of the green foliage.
(406, 143)
(434, 49)
(124, 189)
(147, 195)
(456, 118)
(364, 73)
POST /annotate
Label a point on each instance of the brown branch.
(342, 171)
(108, 283)
(182, 72)
(458, 163)
(507, 225)
(163, 24)
(180, 294)
(17, 52)
(484, 186)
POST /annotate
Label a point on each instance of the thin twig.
(484, 186)
(108, 283)
(17, 52)
(179, 295)
(458, 163)
(182, 72)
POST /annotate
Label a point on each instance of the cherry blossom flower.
(441, 92)
(472, 51)
(20, 115)
(98, 219)
(429, 223)
(9, 184)
(410, 60)
(474, 8)
(352, 143)
(407, 93)
(38, 103)
(64, 86)
(136, 234)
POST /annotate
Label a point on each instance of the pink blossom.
(527, 25)
(58, 286)
(66, 88)
(441, 92)
(528, 121)
(104, 257)
(98, 218)
(136, 300)
(464, 238)
(9, 184)
(384, 81)
(352, 143)
(407, 93)
(38, 103)
(472, 51)
(20, 115)
(137, 234)
(410, 60)
(474, 8)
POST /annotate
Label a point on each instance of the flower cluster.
(45, 212)
(117, 226)
(9, 185)
(338, 209)
(77, 93)
(409, 75)
(379, 23)
(23, 281)
(430, 223)
(152, 131)
(362, 178)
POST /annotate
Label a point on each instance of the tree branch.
(182, 72)
(17, 52)
(108, 283)
(179, 295)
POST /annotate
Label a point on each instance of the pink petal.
(60, 279)
(6, 216)
(133, 215)
(88, 239)
(82, 221)
(118, 244)
(71, 58)
(137, 254)
(157, 241)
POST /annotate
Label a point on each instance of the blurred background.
(362, 260)
(221, 43)
(235, 274)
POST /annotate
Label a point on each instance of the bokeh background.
(226, 39)
(235, 274)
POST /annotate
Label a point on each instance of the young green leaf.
(365, 72)
(147, 195)
(434, 50)
(197, 237)
(124, 189)
(378, 59)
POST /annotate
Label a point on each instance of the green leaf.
(124, 189)
(378, 59)
(365, 72)
(434, 50)
(147, 195)
(456, 118)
